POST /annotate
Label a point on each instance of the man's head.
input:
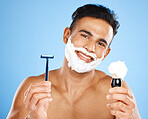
(89, 37)
(96, 11)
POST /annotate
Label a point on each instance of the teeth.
(85, 56)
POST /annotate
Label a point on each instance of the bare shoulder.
(104, 81)
(102, 77)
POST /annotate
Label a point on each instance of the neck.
(71, 80)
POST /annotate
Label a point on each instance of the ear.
(66, 35)
(107, 52)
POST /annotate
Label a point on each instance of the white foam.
(76, 63)
(118, 69)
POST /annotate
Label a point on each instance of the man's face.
(94, 35)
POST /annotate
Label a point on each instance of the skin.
(70, 95)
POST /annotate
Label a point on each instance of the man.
(77, 90)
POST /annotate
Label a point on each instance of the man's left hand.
(121, 102)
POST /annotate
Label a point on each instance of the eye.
(85, 36)
(101, 44)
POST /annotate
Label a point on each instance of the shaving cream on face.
(76, 63)
(118, 69)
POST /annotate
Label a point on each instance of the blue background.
(29, 28)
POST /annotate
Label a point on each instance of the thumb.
(46, 106)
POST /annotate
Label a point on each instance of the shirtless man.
(77, 90)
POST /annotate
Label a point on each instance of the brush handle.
(116, 82)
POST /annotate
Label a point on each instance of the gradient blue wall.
(29, 28)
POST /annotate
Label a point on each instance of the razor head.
(47, 56)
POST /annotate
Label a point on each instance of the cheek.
(100, 52)
(78, 42)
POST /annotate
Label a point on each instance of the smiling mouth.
(84, 57)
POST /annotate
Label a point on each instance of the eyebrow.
(87, 32)
(103, 41)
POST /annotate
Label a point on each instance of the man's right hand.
(37, 98)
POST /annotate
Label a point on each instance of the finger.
(43, 102)
(33, 89)
(46, 106)
(42, 83)
(35, 98)
(120, 106)
(121, 97)
(121, 90)
(25, 93)
(120, 114)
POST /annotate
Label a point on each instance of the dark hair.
(97, 11)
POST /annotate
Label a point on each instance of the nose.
(90, 46)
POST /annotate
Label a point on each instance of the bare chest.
(89, 105)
